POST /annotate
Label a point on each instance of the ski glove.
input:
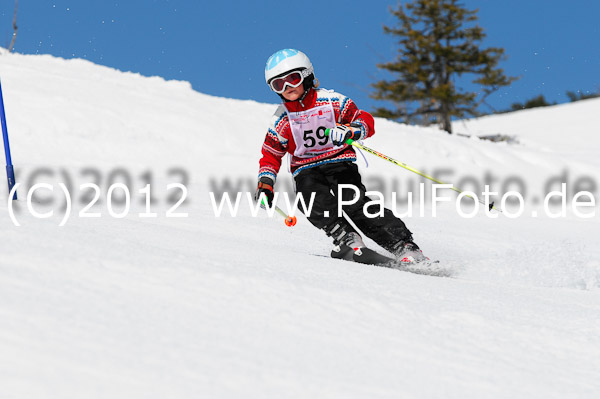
(265, 185)
(341, 133)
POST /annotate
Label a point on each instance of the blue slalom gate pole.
(10, 172)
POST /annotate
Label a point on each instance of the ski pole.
(10, 172)
(410, 168)
(289, 220)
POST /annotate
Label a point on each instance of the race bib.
(308, 128)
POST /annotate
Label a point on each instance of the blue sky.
(221, 47)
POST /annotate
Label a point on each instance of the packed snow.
(162, 300)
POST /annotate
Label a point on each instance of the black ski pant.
(323, 180)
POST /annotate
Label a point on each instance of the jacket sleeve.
(274, 147)
(349, 113)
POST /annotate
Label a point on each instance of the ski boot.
(350, 243)
(408, 253)
(353, 248)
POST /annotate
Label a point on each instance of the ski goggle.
(292, 79)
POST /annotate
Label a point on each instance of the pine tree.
(438, 45)
(539, 101)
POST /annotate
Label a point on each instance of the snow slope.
(229, 307)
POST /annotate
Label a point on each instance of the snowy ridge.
(200, 306)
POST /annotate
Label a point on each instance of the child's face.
(293, 93)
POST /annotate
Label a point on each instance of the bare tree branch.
(14, 36)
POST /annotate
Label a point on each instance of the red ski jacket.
(279, 139)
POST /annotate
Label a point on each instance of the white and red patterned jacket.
(279, 139)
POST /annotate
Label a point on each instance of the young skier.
(320, 163)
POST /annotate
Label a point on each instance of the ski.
(368, 256)
(427, 267)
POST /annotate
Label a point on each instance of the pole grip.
(349, 141)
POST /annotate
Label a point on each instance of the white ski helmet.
(284, 61)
